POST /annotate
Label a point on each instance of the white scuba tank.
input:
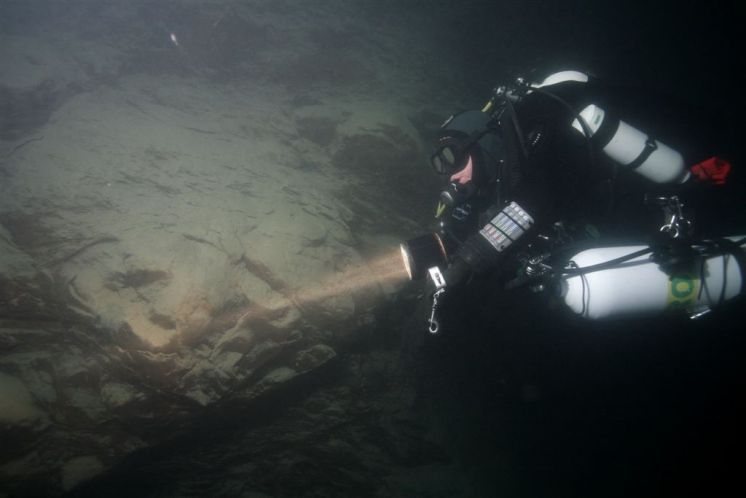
(639, 287)
(628, 146)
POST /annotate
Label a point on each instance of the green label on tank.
(683, 289)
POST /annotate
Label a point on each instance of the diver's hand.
(455, 275)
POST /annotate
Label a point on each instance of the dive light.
(422, 253)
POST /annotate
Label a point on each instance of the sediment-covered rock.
(198, 206)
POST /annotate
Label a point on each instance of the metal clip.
(434, 325)
(439, 282)
(676, 225)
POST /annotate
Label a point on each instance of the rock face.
(199, 209)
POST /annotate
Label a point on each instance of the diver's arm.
(484, 250)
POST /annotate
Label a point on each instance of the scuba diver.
(546, 171)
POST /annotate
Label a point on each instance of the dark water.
(511, 400)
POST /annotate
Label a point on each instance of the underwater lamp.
(422, 253)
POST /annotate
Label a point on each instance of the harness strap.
(650, 147)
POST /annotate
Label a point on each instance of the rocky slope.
(199, 205)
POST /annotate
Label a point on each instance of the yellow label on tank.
(683, 289)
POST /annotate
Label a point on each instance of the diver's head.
(467, 152)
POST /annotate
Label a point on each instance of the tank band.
(650, 147)
(607, 130)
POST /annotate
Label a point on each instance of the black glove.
(457, 273)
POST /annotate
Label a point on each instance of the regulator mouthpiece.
(455, 194)
(422, 253)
